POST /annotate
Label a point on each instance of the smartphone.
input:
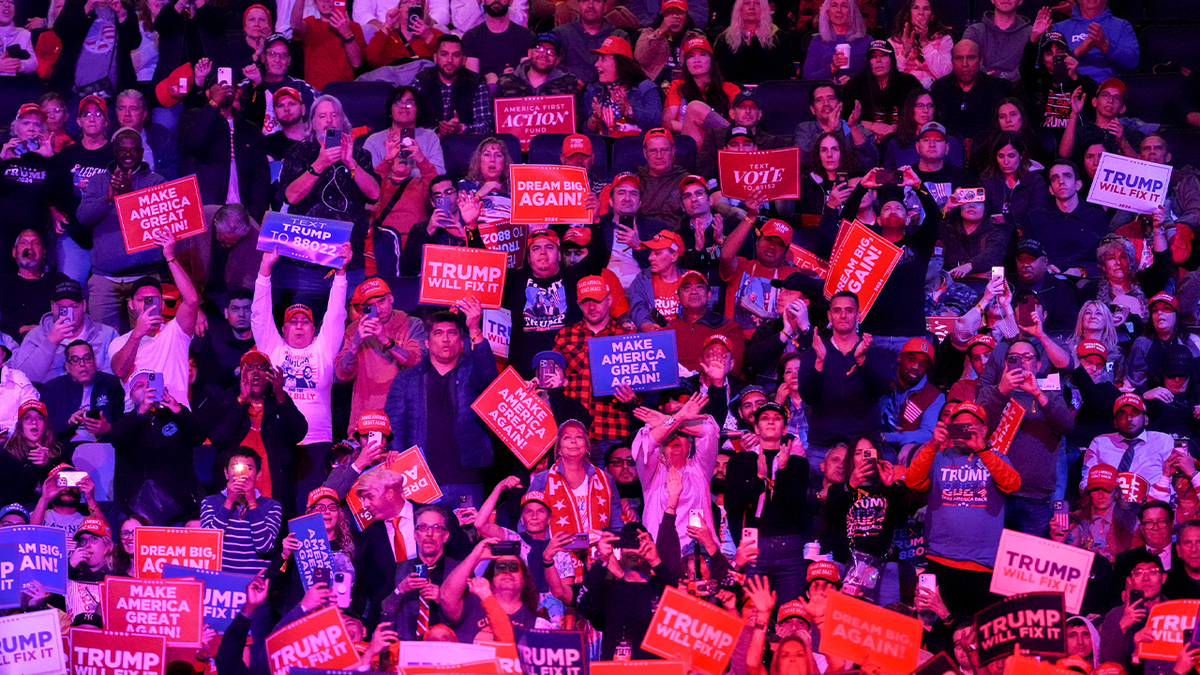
(465, 502)
(154, 383)
(958, 431)
(871, 453)
(1136, 595)
(545, 370)
(92, 413)
(67, 313)
(240, 470)
(841, 176)
(343, 583)
(339, 4)
(422, 570)
(969, 195)
(414, 14)
(889, 177)
(997, 272)
(1060, 68)
(443, 204)
(321, 575)
(371, 312)
(374, 437)
(625, 221)
(153, 304)
(750, 534)
(695, 518)
(1187, 635)
(927, 581)
(578, 542)
(225, 76)
(70, 478)
(1025, 314)
(333, 138)
(183, 86)
(504, 548)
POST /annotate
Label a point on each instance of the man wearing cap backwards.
(968, 483)
(1035, 448)
(378, 345)
(696, 324)
(660, 177)
(152, 344)
(1057, 297)
(1001, 36)
(259, 101)
(1133, 449)
(541, 74)
(654, 292)
(910, 411)
(430, 404)
(967, 98)
(625, 228)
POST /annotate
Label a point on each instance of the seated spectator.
(249, 519)
(826, 179)
(1132, 449)
(1104, 44)
(1001, 36)
(697, 323)
(541, 74)
(1013, 187)
(259, 100)
(403, 203)
(937, 175)
(1069, 228)
(972, 243)
(123, 565)
(1109, 126)
(623, 101)
(659, 49)
(42, 356)
(825, 102)
(839, 50)
(967, 97)
(291, 119)
(583, 34)
(654, 297)
(659, 178)
(462, 17)
(1124, 273)
(30, 288)
(402, 111)
(900, 148)
(75, 418)
(333, 44)
(152, 463)
(1148, 351)
(91, 559)
(743, 112)
(1055, 295)
(161, 149)
(1011, 117)
(498, 44)
(30, 449)
(922, 42)
(1182, 205)
(702, 229)
(13, 515)
(450, 97)
(226, 153)
(699, 99)
(445, 227)
(487, 180)
(878, 92)
(753, 49)
(1145, 573)
(402, 34)
(415, 605)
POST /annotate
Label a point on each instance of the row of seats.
(612, 155)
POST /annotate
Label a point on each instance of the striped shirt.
(249, 533)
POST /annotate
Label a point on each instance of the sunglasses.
(628, 461)
(507, 567)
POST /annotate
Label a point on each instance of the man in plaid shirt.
(452, 98)
(610, 413)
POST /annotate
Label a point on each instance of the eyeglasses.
(1111, 96)
(551, 51)
(76, 360)
(324, 508)
(127, 535)
(507, 567)
(426, 529)
(623, 461)
(1020, 358)
(405, 103)
(923, 106)
(91, 113)
(250, 367)
(1155, 524)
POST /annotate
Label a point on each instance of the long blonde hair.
(767, 32)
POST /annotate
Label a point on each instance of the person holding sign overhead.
(748, 296)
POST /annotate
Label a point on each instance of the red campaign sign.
(170, 207)
(528, 116)
(807, 260)
(419, 484)
(173, 609)
(862, 265)
(507, 237)
(1167, 622)
(450, 273)
(685, 628)
(549, 194)
(102, 652)
(318, 640)
(1135, 488)
(158, 546)
(941, 326)
(775, 172)
(518, 416)
(1006, 428)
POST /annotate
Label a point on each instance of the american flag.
(1061, 519)
(911, 412)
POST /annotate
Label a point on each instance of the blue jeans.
(73, 260)
(1028, 515)
(781, 560)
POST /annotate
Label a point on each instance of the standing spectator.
(98, 37)
(789, 334)
(233, 256)
(18, 58)
(226, 153)
(306, 359)
(910, 412)
(622, 101)
(325, 179)
(1145, 574)
(390, 539)
(400, 35)
(382, 342)
(660, 177)
(1049, 95)
(1013, 189)
(43, 354)
(290, 116)
(451, 97)
(838, 51)
(1001, 36)
(1104, 44)
(659, 48)
(1070, 228)
(880, 90)
(470, 615)
(26, 176)
(1106, 126)
(461, 16)
(582, 36)
(414, 606)
(429, 404)
(84, 402)
(753, 49)
(968, 97)
(497, 45)
(333, 44)
(250, 519)
(160, 148)
(258, 100)
(402, 111)
(153, 443)
(82, 160)
(745, 278)
(29, 289)
(1055, 295)
(152, 344)
(922, 42)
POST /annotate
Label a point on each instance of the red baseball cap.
(665, 239)
(576, 144)
(591, 288)
(692, 179)
(32, 404)
(31, 108)
(693, 273)
(777, 228)
(626, 177)
(92, 99)
(1102, 476)
(658, 132)
(372, 288)
(680, 5)
(1091, 348)
(545, 233)
(535, 496)
(971, 409)
(617, 45)
(1129, 399)
(297, 309)
(697, 43)
(1164, 297)
(718, 339)
(260, 357)
(578, 235)
(374, 420)
(795, 608)
(322, 493)
(823, 569)
(986, 340)
(287, 91)
(94, 525)
(918, 345)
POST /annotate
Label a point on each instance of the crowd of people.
(813, 444)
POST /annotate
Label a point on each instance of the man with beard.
(540, 75)
(226, 153)
(333, 44)
(1133, 449)
(1057, 297)
(584, 34)
(451, 98)
(58, 507)
(620, 464)
(290, 112)
(967, 483)
(260, 100)
(825, 102)
(910, 411)
(28, 291)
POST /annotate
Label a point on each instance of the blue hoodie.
(1122, 55)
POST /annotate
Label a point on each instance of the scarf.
(564, 510)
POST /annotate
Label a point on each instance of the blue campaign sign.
(10, 588)
(224, 593)
(644, 361)
(315, 551)
(551, 652)
(314, 240)
(41, 555)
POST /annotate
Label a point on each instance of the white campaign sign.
(1130, 184)
(1025, 563)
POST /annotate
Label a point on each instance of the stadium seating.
(365, 103)
(784, 104)
(547, 148)
(627, 153)
(459, 148)
(1153, 98)
(1169, 43)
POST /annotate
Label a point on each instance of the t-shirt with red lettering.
(325, 54)
(666, 297)
(749, 296)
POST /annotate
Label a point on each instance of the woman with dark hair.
(1013, 188)
(1147, 355)
(971, 243)
(403, 36)
(900, 148)
(623, 102)
(700, 99)
(1012, 117)
(326, 502)
(880, 89)
(753, 50)
(124, 554)
(659, 48)
(511, 585)
(922, 42)
(825, 182)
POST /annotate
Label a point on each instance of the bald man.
(967, 98)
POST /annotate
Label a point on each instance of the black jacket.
(207, 26)
(157, 446)
(785, 512)
(204, 149)
(63, 394)
(283, 427)
(72, 27)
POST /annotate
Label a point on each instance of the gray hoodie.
(1000, 50)
(109, 258)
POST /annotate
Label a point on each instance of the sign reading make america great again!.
(644, 361)
(173, 207)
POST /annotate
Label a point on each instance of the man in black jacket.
(260, 400)
(205, 138)
(73, 424)
(470, 110)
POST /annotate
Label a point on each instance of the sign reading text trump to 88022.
(1129, 183)
(313, 240)
(644, 361)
